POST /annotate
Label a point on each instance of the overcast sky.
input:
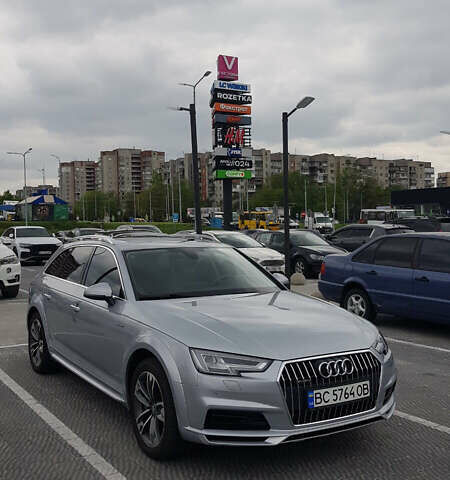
(78, 77)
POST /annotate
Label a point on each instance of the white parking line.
(439, 349)
(14, 346)
(86, 452)
(422, 421)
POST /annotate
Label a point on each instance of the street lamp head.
(304, 102)
(447, 132)
(207, 73)
(29, 150)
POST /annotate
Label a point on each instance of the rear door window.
(435, 255)
(396, 252)
(70, 264)
(277, 240)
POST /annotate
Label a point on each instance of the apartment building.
(443, 179)
(75, 179)
(411, 174)
(126, 170)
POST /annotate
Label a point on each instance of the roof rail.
(100, 238)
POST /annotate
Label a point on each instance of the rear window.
(435, 255)
(396, 252)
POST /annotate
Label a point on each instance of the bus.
(255, 220)
(374, 216)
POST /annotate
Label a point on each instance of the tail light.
(322, 269)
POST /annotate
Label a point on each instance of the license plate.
(341, 394)
(45, 252)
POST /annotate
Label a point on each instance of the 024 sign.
(233, 164)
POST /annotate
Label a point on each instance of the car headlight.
(316, 257)
(9, 260)
(25, 245)
(219, 363)
(380, 345)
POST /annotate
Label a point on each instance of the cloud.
(82, 77)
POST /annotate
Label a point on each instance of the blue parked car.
(406, 275)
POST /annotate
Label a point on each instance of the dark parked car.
(252, 233)
(307, 249)
(141, 228)
(352, 237)
(406, 275)
(420, 224)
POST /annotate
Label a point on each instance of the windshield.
(238, 240)
(31, 232)
(193, 272)
(323, 220)
(306, 239)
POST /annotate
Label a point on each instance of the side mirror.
(282, 279)
(11, 236)
(100, 291)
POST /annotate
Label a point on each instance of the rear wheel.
(40, 358)
(358, 302)
(153, 411)
(10, 292)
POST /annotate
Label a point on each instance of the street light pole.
(302, 104)
(24, 154)
(192, 113)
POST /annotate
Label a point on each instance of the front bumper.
(10, 274)
(261, 394)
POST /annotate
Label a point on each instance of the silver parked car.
(203, 345)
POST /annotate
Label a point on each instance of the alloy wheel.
(36, 342)
(149, 409)
(357, 305)
(300, 267)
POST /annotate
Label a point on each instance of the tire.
(40, 359)
(300, 266)
(10, 292)
(358, 302)
(157, 431)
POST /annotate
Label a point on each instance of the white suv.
(30, 244)
(9, 272)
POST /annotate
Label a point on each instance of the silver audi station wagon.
(202, 344)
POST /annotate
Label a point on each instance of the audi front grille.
(300, 376)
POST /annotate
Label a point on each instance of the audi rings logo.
(334, 368)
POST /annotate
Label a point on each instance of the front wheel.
(153, 411)
(40, 358)
(358, 302)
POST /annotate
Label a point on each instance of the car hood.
(39, 240)
(5, 251)
(323, 249)
(280, 325)
(261, 253)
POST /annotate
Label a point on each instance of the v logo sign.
(228, 63)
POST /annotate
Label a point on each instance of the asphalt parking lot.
(59, 427)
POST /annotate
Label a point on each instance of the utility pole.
(179, 194)
(326, 203)
(95, 204)
(149, 205)
(171, 185)
(24, 154)
(334, 200)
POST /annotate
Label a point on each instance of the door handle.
(47, 296)
(74, 307)
(372, 272)
(422, 279)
